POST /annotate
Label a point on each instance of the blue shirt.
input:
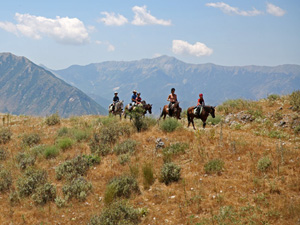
(133, 97)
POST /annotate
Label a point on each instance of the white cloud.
(110, 47)
(63, 30)
(143, 17)
(112, 20)
(233, 10)
(198, 49)
(275, 10)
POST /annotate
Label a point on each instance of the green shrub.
(25, 160)
(277, 134)
(264, 163)
(108, 120)
(14, 198)
(78, 188)
(44, 194)
(53, 119)
(109, 134)
(64, 143)
(127, 146)
(124, 158)
(51, 152)
(60, 202)
(97, 147)
(273, 97)
(37, 150)
(138, 119)
(170, 172)
(62, 132)
(92, 159)
(169, 125)
(5, 135)
(148, 175)
(122, 186)
(235, 105)
(214, 166)
(72, 168)
(3, 154)
(5, 180)
(295, 100)
(80, 135)
(117, 213)
(30, 181)
(31, 139)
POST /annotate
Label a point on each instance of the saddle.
(195, 111)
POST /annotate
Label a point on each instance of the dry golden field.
(243, 170)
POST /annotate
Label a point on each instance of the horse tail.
(162, 113)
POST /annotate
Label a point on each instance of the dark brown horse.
(176, 111)
(203, 115)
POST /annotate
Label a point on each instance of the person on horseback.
(133, 99)
(138, 99)
(200, 104)
(115, 100)
(172, 98)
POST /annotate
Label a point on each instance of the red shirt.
(201, 101)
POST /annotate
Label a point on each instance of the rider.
(138, 98)
(172, 98)
(115, 100)
(200, 103)
(133, 99)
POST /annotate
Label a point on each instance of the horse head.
(212, 111)
(149, 108)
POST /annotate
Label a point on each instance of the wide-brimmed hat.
(116, 92)
(134, 91)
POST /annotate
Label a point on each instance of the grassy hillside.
(245, 169)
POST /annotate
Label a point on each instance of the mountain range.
(28, 89)
(155, 77)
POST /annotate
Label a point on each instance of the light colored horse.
(118, 108)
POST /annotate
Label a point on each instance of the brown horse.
(203, 116)
(176, 111)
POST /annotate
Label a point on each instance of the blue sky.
(230, 32)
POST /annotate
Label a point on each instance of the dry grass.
(240, 193)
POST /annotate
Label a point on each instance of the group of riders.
(136, 100)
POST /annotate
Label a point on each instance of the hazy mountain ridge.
(155, 77)
(29, 89)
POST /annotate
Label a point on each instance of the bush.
(109, 134)
(72, 168)
(5, 135)
(122, 186)
(214, 121)
(263, 164)
(14, 198)
(78, 188)
(125, 147)
(170, 172)
(5, 180)
(31, 139)
(92, 159)
(44, 194)
(295, 100)
(64, 143)
(170, 124)
(118, 213)
(3, 154)
(60, 202)
(37, 150)
(273, 97)
(62, 132)
(80, 135)
(148, 175)
(214, 166)
(25, 160)
(30, 181)
(235, 105)
(53, 119)
(124, 158)
(97, 147)
(51, 152)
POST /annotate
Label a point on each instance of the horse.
(146, 108)
(118, 109)
(176, 111)
(206, 110)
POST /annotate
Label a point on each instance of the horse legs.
(204, 123)
(193, 124)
